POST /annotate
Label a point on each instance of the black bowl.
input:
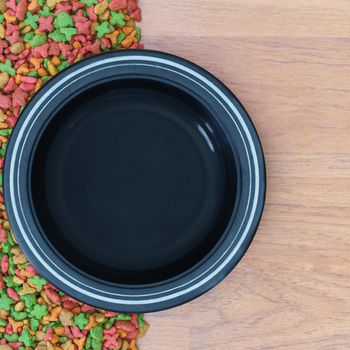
(134, 181)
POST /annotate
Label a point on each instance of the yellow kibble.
(6, 224)
(18, 280)
(39, 335)
(38, 85)
(23, 69)
(19, 306)
(49, 346)
(2, 31)
(51, 3)
(99, 318)
(4, 313)
(33, 5)
(17, 48)
(9, 18)
(4, 78)
(52, 68)
(2, 115)
(100, 8)
(3, 6)
(21, 25)
(26, 30)
(105, 15)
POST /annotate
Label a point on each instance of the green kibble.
(138, 34)
(11, 337)
(7, 67)
(3, 322)
(34, 324)
(26, 338)
(45, 78)
(1, 17)
(110, 323)
(18, 316)
(122, 317)
(6, 247)
(117, 18)
(96, 344)
(38, 281)
(11, 266)
(63, 339)
(88, 342)
(9, 238)
(63, 20)
(37, 40)
(29, 300)
(39, 311)
(120, 38)
(31, 20)
(56, 35)
(33, 74)
(28, 36)
(81, 320)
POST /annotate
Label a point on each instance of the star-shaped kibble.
(31, 20)
(102, 29)
(117, 18)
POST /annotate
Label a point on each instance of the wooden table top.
(289, 64)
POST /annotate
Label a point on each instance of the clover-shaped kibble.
(39, 311)
(63, 20)
(38, 281)
(5, 302)
(81, 320)
(117, 18)
(26, 338)
(102, 29)
(31, 20)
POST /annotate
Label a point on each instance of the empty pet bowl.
(134, 181)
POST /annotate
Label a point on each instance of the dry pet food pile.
(39, 38)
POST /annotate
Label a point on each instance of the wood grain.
(289, 64)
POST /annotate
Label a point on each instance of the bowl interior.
(133, 182)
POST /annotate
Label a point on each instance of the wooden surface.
(289, 64)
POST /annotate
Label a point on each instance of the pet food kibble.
(39, 38)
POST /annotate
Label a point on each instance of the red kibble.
(21, 9)
(125, 326)
(53, 296)
(19, 98)
(117, 5)
(3, 234)
(5, 101)
(9, 87)
(12, 294)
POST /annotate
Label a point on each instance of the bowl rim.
(144, 298)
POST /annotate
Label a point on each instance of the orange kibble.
(18, 79)
(36, 62)
(77, 45)
(92, 323)
(132, 345)
(127, 42)
(79, 342)
(3, 139)
(79, 57)
(15, 324)
(41, 301)
(33, 5)
(127, 30)
(3, 125)
(23, 69)
(113, 36)
(4, 215)
(56, 61)
(122, 333)
(9, 18)
(76, 310)
(26, 30)
(57, 348)
(42, 72)
(59, 330)
(55, 339)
